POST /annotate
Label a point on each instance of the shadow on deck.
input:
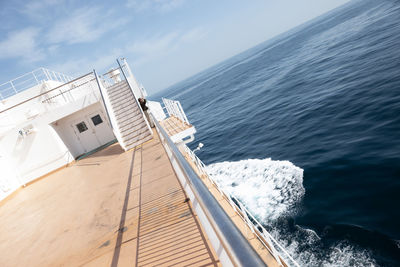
(112, 208)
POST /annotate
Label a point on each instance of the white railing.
(174, 108)
(30, 80)
(269, 242)
(71, 91)
(232, 247)
(83, 89)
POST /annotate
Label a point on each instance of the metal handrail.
(245, 214)
(175, 108)
(134, 97)
(104, 102)
(39, 95)
(37, 76)
(241, 252)
(68, 90)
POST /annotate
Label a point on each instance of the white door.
(86, 134)
(101, 127)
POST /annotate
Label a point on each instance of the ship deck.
(113, 208)
(172, 125)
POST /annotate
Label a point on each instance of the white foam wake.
(305, 246)
(271, 189)
(268, 188)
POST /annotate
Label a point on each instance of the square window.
(96, 120)
(81, 127)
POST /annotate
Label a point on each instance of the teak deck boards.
(173, 125)
(112, 208)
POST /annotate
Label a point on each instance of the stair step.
(126, 124)
(133, 134)
(117, 90)
(133, 128)
(123, 103)
(131, 123)
(126, 109)
(117, 98)
(116, 101)
(124, 92)
(116, 87)
(128, 114)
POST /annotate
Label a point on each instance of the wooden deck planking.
(173, 125)
(112, 208)
(163, 208)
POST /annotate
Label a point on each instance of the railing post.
(125, 63)
(35, 77)
(50, 76)
(12, 85)
(46, 71)
(183, 113)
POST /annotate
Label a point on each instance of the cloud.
(22, 44)
(157, 5)
(83, 65)
(34, 8)
(142, 50)
(82, 26)
(157, 46)
(194, 35)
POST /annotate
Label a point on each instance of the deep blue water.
(326, 97)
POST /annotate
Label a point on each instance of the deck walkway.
(172, 125)
(112, 208)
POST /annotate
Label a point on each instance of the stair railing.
(133, 94)
(102, 98)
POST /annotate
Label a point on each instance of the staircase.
(131, 127)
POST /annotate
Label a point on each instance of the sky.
(164, 41)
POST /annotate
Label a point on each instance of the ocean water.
(305, 130)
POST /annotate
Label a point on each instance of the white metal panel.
(77, 142)
(85, 134)
(102, 128)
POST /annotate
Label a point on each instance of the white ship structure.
(86, 181)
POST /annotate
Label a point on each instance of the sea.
(304, 129)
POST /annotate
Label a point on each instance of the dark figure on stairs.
(145, 109)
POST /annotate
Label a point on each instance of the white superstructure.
(48, 119)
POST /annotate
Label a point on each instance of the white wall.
(8, 180)
(66, 132)
(33, 155)
(23, 159)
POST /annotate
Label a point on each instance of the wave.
(272, 190)
(309, 249)
(268, 188)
